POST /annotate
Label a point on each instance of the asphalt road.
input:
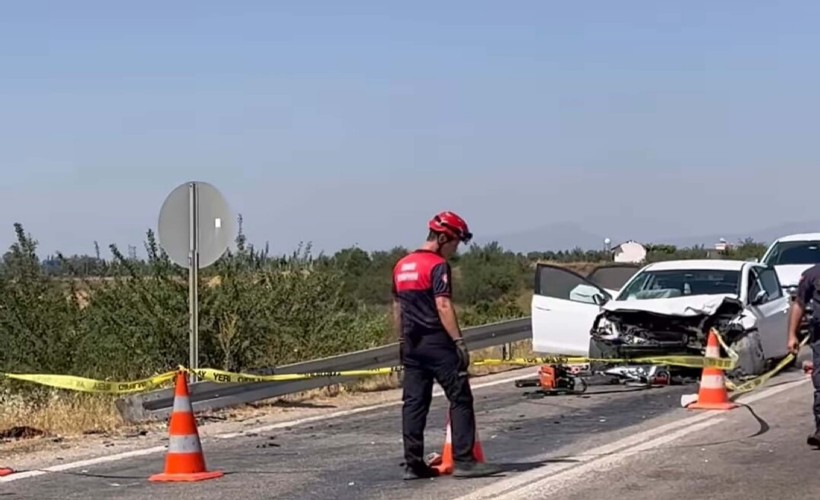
(573, 447)
(754, 452)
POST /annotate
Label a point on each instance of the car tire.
(751, 359)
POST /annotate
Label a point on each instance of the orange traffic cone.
(5, 471)
(446, 464)
(712, 394)
(184, 461)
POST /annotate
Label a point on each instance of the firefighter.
(431, 347)
(808, 292)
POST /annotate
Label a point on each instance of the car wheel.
(751, 359)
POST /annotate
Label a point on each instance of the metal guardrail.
(214, 396)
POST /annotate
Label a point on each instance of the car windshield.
(794, 252)
(681, 282)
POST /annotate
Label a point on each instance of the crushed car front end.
(669, 327)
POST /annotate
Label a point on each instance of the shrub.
(126, 318)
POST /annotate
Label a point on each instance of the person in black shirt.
(432, 349)
(808, 292)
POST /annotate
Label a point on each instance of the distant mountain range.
(566, 236)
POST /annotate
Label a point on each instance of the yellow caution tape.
(685, 361)
(83, 384)
(753, 384)
(220, 376)
(732, 353)
(224, 377)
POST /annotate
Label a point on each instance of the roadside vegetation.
(121, 318)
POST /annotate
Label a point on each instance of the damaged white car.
(662, 309)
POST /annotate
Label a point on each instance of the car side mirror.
(759, 298)
(600, 299)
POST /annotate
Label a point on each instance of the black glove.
(463, 355)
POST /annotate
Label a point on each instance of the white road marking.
(611, 452)
(292, 423)
(521, 480)
(542, 488)
(82, 463)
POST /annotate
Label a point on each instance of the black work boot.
(420, 471)
(475, 469)
(814, 439)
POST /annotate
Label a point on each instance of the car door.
(564, 307)
(612, 277)
(771, 310)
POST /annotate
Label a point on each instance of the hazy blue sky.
(353, 122)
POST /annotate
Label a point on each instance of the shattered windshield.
(681, 282)
(794, 252)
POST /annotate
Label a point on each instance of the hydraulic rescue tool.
(557, 379)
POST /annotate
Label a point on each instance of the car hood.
(691, 305)
(789, 275)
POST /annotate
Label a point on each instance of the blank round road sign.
(216, 229)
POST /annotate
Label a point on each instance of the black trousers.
(426, 360)
(814, 340)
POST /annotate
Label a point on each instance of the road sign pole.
(195, 229)
(193, 277)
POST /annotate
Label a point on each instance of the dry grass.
(62, 414)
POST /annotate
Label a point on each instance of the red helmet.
(452, 225)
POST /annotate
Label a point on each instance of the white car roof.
(800, 237)
(710, 264)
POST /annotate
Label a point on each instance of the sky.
(352, 123)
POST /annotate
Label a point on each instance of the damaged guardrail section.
(214, 396)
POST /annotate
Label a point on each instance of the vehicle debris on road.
(556, 379)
